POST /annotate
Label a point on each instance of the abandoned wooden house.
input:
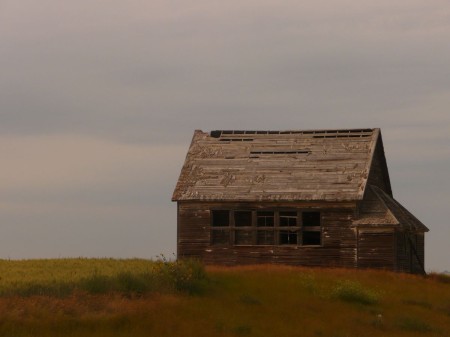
(317, 198)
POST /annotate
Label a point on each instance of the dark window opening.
(311, 238)
(265, 219)
(264, 227)
(288, 219)
(265, 237)
(242, 218)
(311, 218)
(243, 237)
(311, 234)
(220, 218)
(220, 237)
(288, 238)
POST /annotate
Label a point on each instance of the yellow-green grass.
(64, 277)
(21, 272)
(239, 301)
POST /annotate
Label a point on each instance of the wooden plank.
(195, 237)
(329, 162)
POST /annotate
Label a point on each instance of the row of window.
(246, 227)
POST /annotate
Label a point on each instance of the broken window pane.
(311, 238)
(220, 218)
(288, 238)
(243, 237)
(242, 218)
(311, 218)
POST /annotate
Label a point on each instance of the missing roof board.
(282, 152)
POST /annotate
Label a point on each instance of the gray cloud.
(112, 70)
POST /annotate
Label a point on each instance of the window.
(288, 219)
(266, 227)
(265, 219)
(288, 228)
(311, 218)
(311, 238)
(244, 235)
(311, 230)
(288, 237)
(220, 218)
(220, 227)
(242, 218)
(265, 237)
(265, 222)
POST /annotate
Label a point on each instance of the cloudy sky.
(99, 100)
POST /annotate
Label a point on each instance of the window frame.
(311, 229)
(290, 229)
(271, 229)
(241, 229)
(276, 229)
(214, 228)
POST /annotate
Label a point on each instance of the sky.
(99, 101)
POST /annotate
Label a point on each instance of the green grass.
(63, 277)
(105, 297)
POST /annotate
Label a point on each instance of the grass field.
(107, 297)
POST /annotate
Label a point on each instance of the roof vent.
(282, 152)
(236, 139)
(315, 133)
(342, 136)
(216, 133)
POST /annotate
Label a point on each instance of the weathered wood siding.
(376, 248)
(403, 255)
(420, 246)
(410, 252)
(338, 246)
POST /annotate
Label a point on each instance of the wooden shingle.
(329, 165)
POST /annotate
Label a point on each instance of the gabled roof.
(330, 165)
(380, 209)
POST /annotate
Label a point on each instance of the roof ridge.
(219, 133)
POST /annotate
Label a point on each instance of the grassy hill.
(107, 297)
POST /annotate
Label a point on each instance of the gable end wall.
(378, 173)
